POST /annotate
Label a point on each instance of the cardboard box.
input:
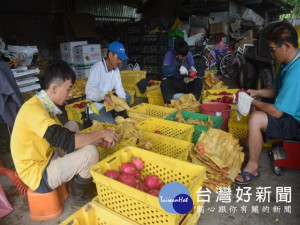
(82, 72)
(86, 55)
(199, 21)
(219, 17)
(219, 28)
(196, 30)
(66, 50)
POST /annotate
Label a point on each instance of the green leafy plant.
(295, 13)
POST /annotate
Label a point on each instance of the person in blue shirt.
(179, 73)
(281, 119)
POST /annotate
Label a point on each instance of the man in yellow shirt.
(45, 153)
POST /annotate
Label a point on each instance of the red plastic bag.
(5, 206)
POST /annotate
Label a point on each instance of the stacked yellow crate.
(74, 111)
(139, 206)
(239, 129)
(131, 92)
(154, 84)
(118, 203)
(144, 111)
(95, 213)
(131, 77)
(155, 97)
(168, 128)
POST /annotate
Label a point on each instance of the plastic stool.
(47, 206)
(286, 156)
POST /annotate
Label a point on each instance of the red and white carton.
(66, 50)
(82, 72)
(86, 55)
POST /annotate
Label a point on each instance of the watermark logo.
(175, 198)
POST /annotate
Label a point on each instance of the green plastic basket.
(217, 122)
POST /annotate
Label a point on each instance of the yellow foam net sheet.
(119, 104)
(186, 102)
(222, 156)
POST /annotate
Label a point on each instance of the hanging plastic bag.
(135, 66)
(250, 15)
(26, 54)
(5, 206)
(129, 66)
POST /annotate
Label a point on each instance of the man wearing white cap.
(104, 77)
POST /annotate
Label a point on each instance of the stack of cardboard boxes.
(80, 56)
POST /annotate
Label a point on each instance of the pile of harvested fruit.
(222, 93)
(152, 83)
(224, 99)
(130, 174)
(80, 105)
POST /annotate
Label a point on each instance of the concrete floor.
(216, 212)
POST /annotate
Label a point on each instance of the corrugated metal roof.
(133, 3)
(121, 10)
(106, 10)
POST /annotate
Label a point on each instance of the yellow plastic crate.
(138, 117)
(95, 213)
(168, 128)
(148, 88)
(233, 116)
(238, 129)
(135, 204)
(131, 77)
(104, 152)
(75, 113)
(269, 144)
(209, 98)
(131, 92)
(149, 111)
(139, 93)
(155, 97)
(156, 86)
(169, 146)
(218, 91)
